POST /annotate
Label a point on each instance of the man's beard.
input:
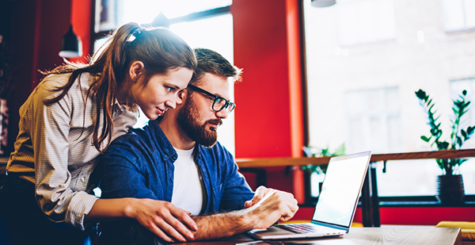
(187, 119)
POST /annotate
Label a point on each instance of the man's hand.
(269, 207)
(273, 206)
(164, 219)
(261, 191)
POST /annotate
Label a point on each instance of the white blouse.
(56, 140)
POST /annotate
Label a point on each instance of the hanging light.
(323, 3)
(71, 45)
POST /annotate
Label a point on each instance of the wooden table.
(407, 235)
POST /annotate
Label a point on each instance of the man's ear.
(135, 70)
(183, 94)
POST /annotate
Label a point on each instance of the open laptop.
(336, 204)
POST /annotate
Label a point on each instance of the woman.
(70, 118)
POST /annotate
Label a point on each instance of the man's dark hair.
(214, 63)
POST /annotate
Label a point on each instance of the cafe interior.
(321, 78)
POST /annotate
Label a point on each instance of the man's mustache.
(215, 121)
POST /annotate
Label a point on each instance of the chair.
(467, 230)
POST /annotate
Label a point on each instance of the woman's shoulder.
(61, 79)
(53, 81)
(51, 85)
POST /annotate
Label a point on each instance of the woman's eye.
(169, 89)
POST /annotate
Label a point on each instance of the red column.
(81, 21)
(269, 117)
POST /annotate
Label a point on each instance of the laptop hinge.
(339, 227)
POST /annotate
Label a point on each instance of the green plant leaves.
(313, 152)
(421, 94)
(464, 134)
(459, 141)
(458, 136)
(424, 138)
(444, 145)
(470, 130)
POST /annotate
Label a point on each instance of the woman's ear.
(136, 68)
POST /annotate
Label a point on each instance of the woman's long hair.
(159, 49)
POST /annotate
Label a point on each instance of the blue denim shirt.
(141, 164)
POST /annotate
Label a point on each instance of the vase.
(3, 125)
(450, 189)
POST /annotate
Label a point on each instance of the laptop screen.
(341, 189)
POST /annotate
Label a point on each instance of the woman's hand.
(162, 218)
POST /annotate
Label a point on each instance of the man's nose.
(222, 113)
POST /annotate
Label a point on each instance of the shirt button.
(83, 179)
(171, 179)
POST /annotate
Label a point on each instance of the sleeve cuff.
(81, 204)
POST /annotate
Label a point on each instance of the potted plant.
(450, 184)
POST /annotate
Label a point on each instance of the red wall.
(260, 48)
(36, 31)
(269, 116)
(81, 20)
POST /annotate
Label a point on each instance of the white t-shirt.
(187, 190)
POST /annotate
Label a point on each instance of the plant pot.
(450, 189)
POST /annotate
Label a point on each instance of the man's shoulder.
(131, 148)
(134, 139)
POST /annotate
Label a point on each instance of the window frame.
(459, 30)
(393, 201)
(390, 201)
(185, 18)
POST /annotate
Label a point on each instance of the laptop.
(336, 204)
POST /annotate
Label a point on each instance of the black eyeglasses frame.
(216, 98)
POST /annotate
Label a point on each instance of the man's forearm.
(222, 225)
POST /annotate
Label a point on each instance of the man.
(178, 160)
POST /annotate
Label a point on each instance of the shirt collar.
(164, 145)
(161, 141)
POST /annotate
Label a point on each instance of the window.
(363, 95)
(111, 14)
(215, 33)
(459, 14)
(213, 29)
(362, 21)
(374, 121)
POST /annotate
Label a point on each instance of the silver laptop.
(336, 204)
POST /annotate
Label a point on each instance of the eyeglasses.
(219, 103)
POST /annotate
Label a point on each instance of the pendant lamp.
(71, 46)
(323, 3)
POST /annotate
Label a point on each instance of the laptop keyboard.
(305, 228)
